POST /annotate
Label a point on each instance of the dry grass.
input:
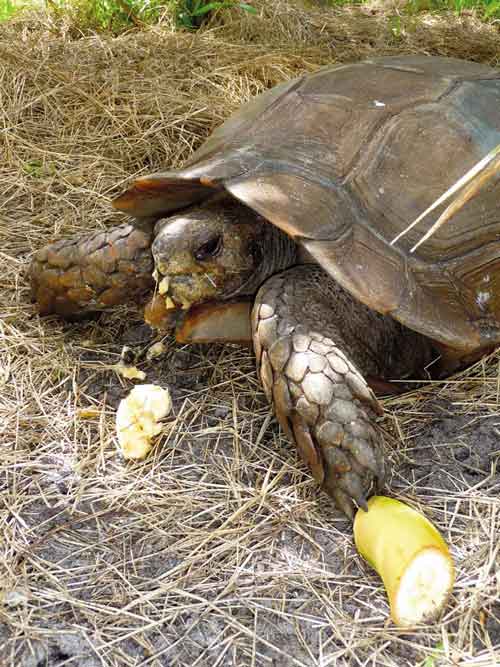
(217, 550)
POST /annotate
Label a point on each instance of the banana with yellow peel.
(410, 556)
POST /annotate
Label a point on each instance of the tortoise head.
(215, 252)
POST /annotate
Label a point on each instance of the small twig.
(478, 176)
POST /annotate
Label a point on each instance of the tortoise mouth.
(181, 291)
(170, 299)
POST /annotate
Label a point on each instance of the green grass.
(119, 15)
(485, 9)
(9, 7)
(488, 9)
(110, 15)
(191, 14)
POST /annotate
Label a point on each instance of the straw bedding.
(218, 549)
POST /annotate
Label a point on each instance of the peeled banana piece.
(410, 556)
(138, 419)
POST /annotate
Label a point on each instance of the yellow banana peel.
(411, 557)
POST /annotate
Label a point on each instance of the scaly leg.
(314, 345)
(94, 272)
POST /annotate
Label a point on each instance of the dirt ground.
(218, 550)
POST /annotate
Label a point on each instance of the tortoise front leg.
(93, 272)
(314, 344)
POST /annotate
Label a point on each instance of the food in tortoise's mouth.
(169, 305)
(161, 313)
(163, 286)
(180, 292)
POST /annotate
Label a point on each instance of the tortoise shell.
(343, 160)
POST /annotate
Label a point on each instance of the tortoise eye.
(209, 249)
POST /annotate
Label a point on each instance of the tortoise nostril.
(209, 249)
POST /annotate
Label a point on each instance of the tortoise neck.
(274, 252)
(283, 251)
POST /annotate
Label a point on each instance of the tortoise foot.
(320, 398)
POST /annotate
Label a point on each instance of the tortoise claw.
(351, 484)
(343, 501)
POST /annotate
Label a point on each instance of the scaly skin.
(77, 276)
(314, 343)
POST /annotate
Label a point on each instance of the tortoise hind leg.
(314, 344)
(91, 273)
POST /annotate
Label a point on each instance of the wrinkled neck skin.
(277, 252)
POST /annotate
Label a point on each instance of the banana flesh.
(138, 419)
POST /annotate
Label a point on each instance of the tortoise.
(279, 229)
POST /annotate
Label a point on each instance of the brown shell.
(343, 160)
